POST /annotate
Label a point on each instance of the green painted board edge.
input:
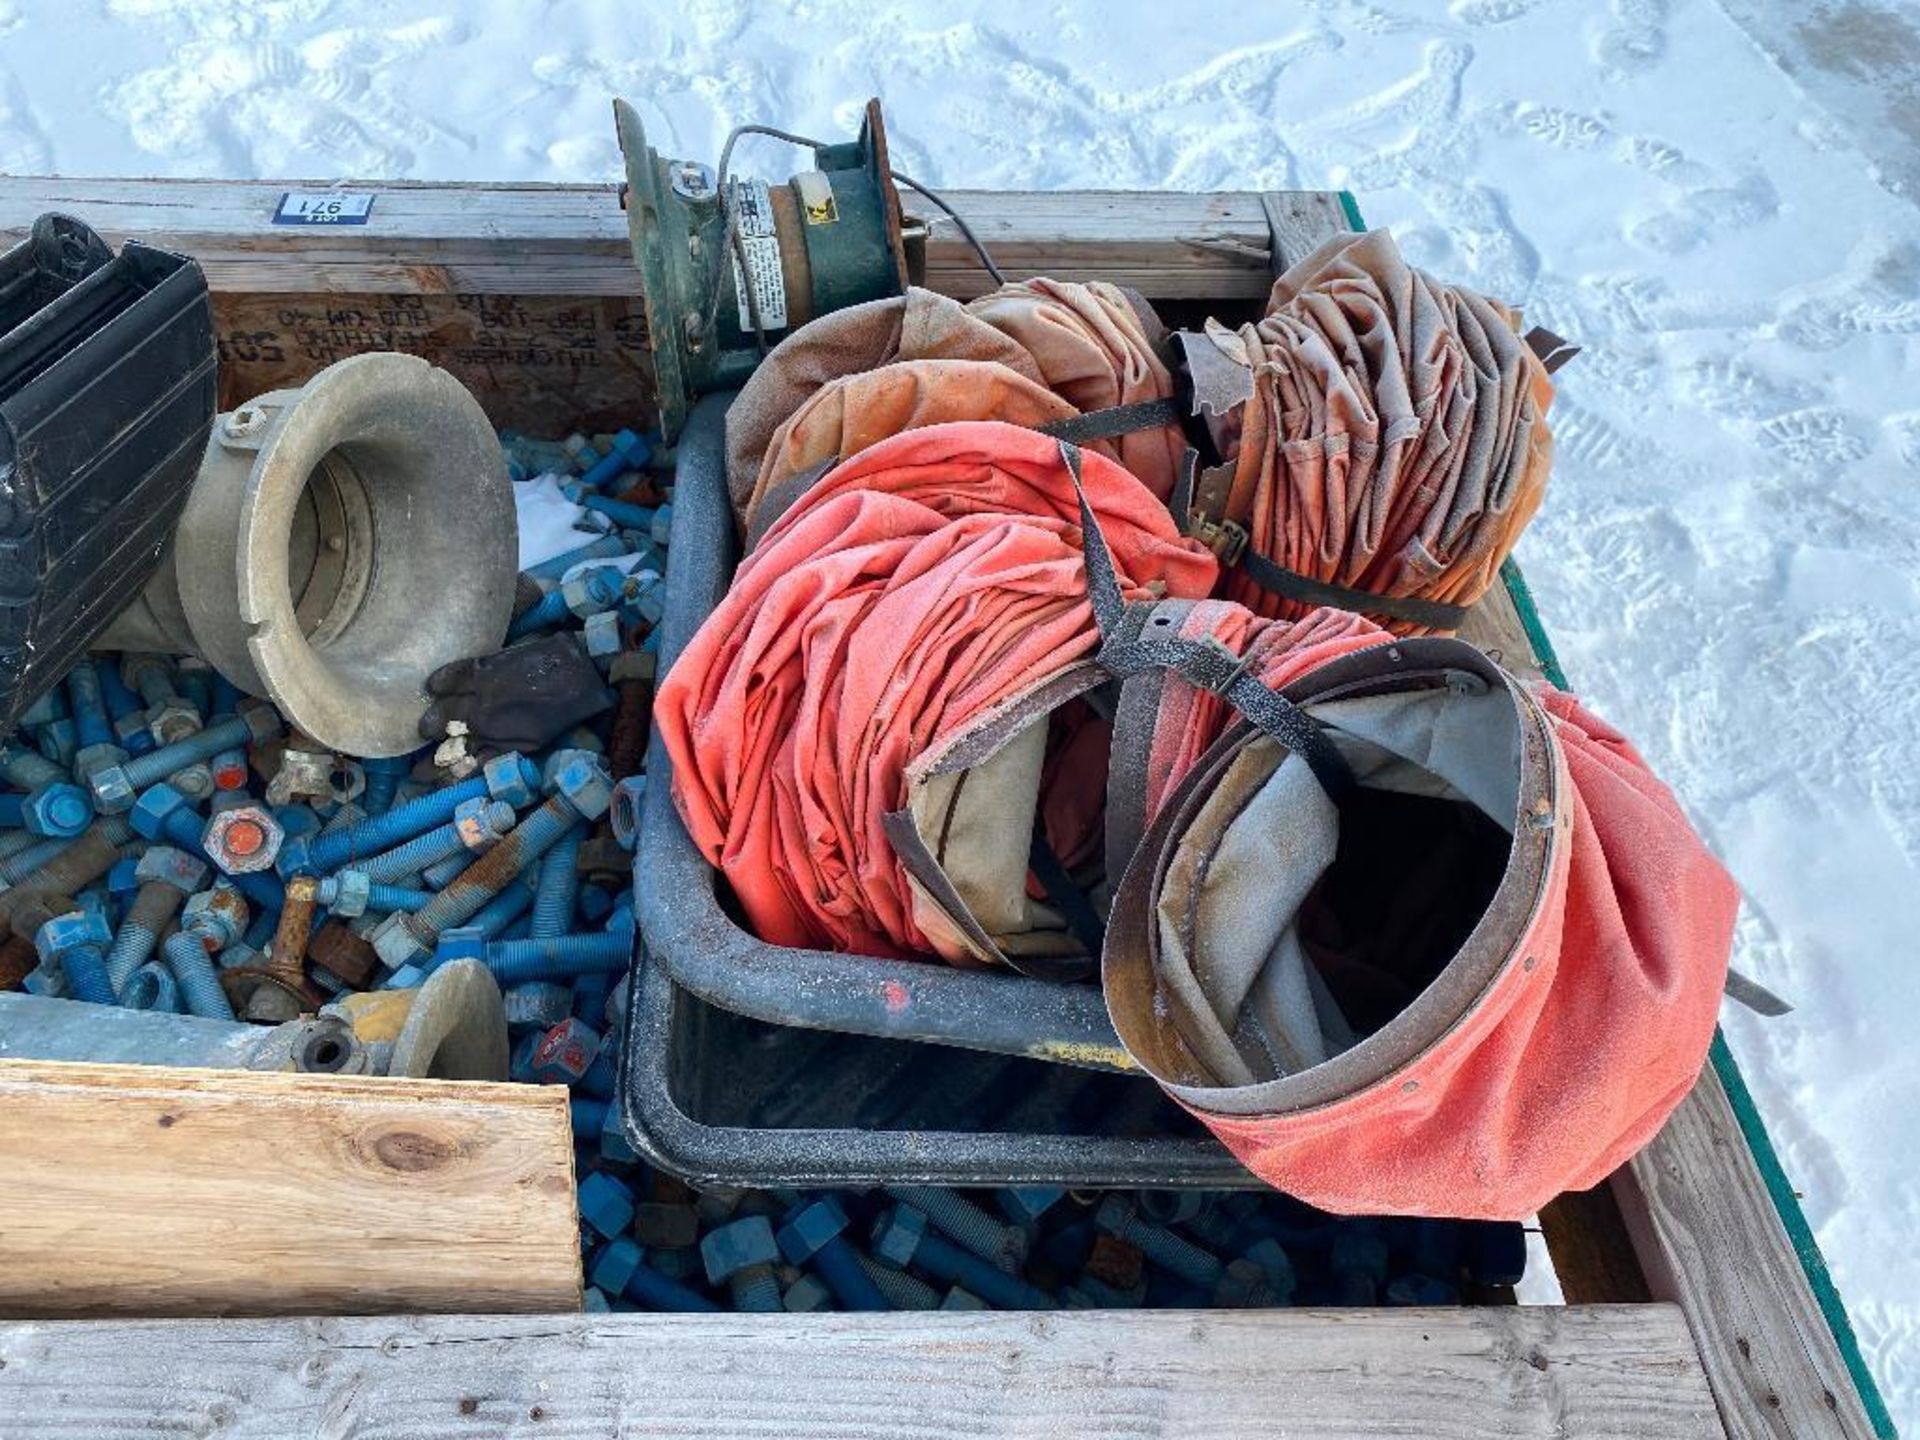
(1786, 1202)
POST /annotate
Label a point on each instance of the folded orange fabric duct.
(1092, 346)
(906, 593)
(1395, 442)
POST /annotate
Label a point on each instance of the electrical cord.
(737, 246)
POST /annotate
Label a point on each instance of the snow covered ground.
(1729, 554)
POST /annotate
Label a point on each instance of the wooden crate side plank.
(572, 240)
(156, 1191)
(533, 361)
(1520, 1373)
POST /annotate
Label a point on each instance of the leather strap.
(1133, 640)
(1431, 614)
(1115, 420)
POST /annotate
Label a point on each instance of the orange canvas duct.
(907, 595)
(1385, 441)
(1483, 977)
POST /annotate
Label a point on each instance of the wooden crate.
(1697, 1304)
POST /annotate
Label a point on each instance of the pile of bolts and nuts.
(168, 845)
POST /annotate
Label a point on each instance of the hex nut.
(58, 809)
(480, 824)
(164, 865)
(566, 1052)
(606, 1205)
(113, 791)
(396, 944)
(194, 781)
(736, 1246)
(897, 1235)
(220, 910)
(616, 1264)
(243, 840)
(584, 780)
(263, 721)
(172, 720)
(810, 1228)
(62, 933)
(155, 807)
(352, 890)
(602, 636)
(89, 758)
(511, 777)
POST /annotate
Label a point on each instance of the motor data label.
(324, 207)
(753, 219)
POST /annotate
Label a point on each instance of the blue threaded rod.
(402, 822)
(379, 897)
(558, 957)
(133, 946)
(558, 888)
(383, 778)
(143, 770)
(194, 972)
(413, 856)
(86, 970)
(183, 827)
(626, 516)
(526, 843)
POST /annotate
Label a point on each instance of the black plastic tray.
(755, 1064)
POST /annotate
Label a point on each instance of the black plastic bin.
(106, 403)
(755, 1064)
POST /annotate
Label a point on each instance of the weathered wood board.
(1520, 1373)
(137, 1190)
(529, 358)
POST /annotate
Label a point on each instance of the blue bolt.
(627, 516)
(549, 609)
(966, 1224)
(558, 887)
(510, 777)
(629, 452)
(75, 943)
(53, 806)
(900, 1236)
(741, 1256)
(483, 823)
(813, 1233)
(1178, 1257)
(552, 957)
(624, 1261)
(582, 789)
(163, 813)
(116, 786)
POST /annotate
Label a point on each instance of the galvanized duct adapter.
(342, 542)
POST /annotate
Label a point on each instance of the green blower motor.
(729, 267)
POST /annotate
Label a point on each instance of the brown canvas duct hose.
(1092, 347)
(1385, 439)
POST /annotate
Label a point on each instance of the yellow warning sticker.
(816, 198)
